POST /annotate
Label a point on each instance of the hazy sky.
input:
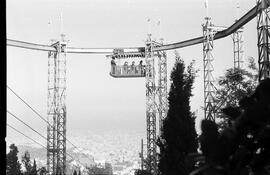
(96, 101)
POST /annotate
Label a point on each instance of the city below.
(116, 149)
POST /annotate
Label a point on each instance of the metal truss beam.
(209, 88)
(56, 129)
(121, 54)
(151, 107)
(142, 155)
(237, 49)
(51, 113)
(263, 28)
(162, 88)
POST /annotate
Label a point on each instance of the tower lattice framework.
(56, 114)
(162, 88)
(263, 29)
(209, 88)
(150, 107)
(237, 49)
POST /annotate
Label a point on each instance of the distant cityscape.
(117, 149)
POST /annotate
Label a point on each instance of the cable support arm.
(40, 47)
(129, 50)
(28, 45)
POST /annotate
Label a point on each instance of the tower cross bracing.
(56, 109)
(263, 30)
(150, 107)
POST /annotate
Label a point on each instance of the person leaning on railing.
(125, 68)
(133, 67)
(141, 68)
(113, 65)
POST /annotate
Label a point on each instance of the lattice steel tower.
(263, 28)
(150, 107)
(209, 88)
(237, 45)
(162, 87)
(56, 112)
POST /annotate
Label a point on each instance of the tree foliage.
(29, 168)
(13, 166)
(96, 170)
(42, 171)
(235, 84)
(34, 168)
(243, 147)
(142, 172)
(27, 163)
(178, 137)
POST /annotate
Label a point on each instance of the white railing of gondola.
(128, 70)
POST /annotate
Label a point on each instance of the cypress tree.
(243, 147)
(34, 168)
(141, 172)
(13, 166)
(42, 171)
(178, 137)
(27, 163)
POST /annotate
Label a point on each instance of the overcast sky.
(96, 101)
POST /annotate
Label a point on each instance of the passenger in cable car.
(143, 70)
(141, 67)
(113, 65)
(125, 68)
(137, 69)
(133, 67)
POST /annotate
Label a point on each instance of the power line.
(40, 116)
(26, 136)
(31, 129)
(26, 125)
(28, 105)
(34, 140)
(36, 112)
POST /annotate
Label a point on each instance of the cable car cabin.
(127, 71)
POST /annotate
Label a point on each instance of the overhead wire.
(26, 135)
(40, 116)
(27, 105)
(26, 125)
(35, 140)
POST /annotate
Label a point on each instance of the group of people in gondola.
(128, 69)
